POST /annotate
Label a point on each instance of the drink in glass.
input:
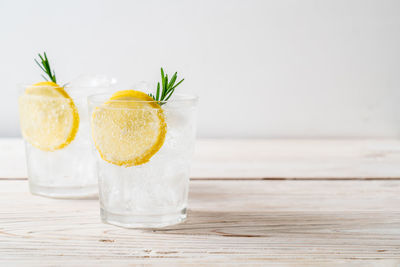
(55, 126)
(143, 150)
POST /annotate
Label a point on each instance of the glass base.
(64, 192)
(142, 221)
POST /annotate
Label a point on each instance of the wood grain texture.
(260, 159)
(297, 158)
(255, 223)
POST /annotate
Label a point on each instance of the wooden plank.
(284, 223)
(257, 159)
(301, 158)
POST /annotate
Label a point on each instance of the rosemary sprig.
(167, 88)
(45, 66)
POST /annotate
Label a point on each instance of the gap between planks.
(300, 179)
(272, 179)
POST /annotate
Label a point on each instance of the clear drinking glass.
(68, 172)
(153, 194)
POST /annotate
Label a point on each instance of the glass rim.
(100, 99)
(25, 85)
(72, 90)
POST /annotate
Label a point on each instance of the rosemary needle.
(45, 66)
(166, 89)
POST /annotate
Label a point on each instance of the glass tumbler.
(147, 194)
(68, 171)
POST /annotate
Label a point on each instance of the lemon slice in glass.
(129, 128)
(49, 117)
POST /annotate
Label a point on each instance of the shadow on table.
(267, 224)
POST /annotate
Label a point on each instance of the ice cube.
(85, 85)
(92, 80)
(143, 86)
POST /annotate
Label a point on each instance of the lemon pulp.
(49, 118)
(129, 128)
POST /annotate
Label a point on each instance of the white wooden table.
(262, 202)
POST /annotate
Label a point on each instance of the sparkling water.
(68, 172)
(153, 194)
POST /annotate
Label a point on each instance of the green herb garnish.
(45, 66)
(168, 88)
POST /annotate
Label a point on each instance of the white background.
(261, 68)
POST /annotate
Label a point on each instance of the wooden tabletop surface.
(251, 202)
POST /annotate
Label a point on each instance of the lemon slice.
(49, 117)
(129, 128)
